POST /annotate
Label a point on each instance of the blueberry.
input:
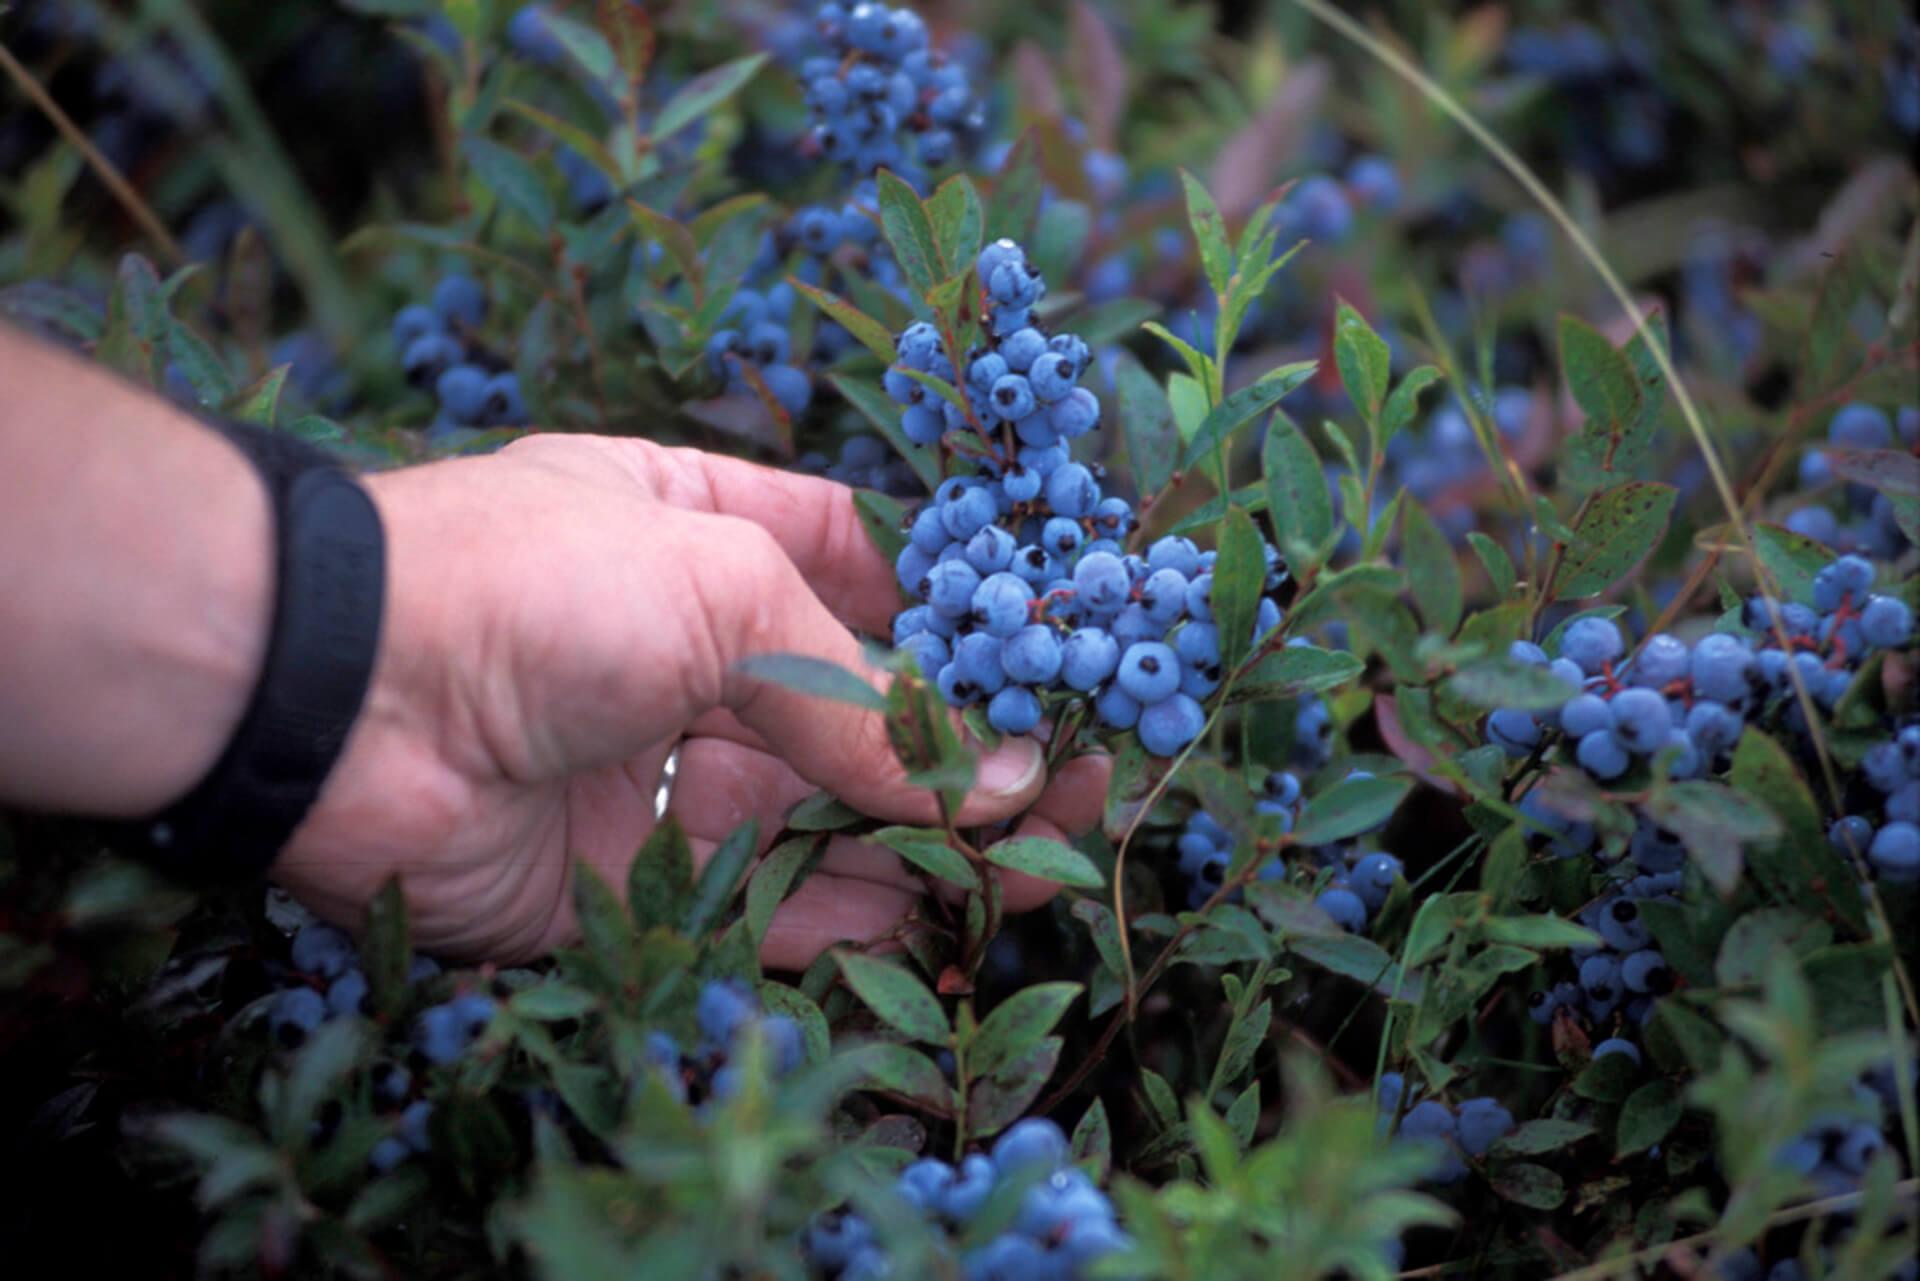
(1641, 722)
(1032, 655)
(459, 299)
(1346, 908)
(1034, 1142)
(440, 1034)
(293, 1016)
(972, 1185)
(1895, 853)
(1593, 643)
(412, 323)
(1116, 709)
(1374, 877)
(1102, 581)
(1886, 622)
(950, 586)
(1515, 732)
(1480, 1122)
(322, 950)
(1646, 972)
(1617, 1045)
(1014, 710)
(1662, 660)
(1149, 672)
(1584, 714)
(1602, 756)
(1088, 657)
(1620, 924)
(347, 994)
(723, 1008)
(1071, 491)
(1001, 604)
(1169, 725)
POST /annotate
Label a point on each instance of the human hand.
(560, 615)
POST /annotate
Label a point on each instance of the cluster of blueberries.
(880, 96)
(1358, 882)
(755, 335)
(1833, 1155)
(439, 351)
(1064, 1221)
(1892, 843)
(1453, 1134)
(726, 1009)
(325, 981)
(1871, 529)
(1022, 583)
(1691, 702)
(1625, 975)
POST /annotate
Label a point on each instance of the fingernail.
(1011, 769)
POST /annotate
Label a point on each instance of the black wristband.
(329, 594)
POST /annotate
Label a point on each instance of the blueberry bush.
(1463, 463)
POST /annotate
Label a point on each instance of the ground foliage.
(1322, 316)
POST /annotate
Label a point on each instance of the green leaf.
(1534, 1186)
(1507, 682)
(1792, 558)
(720, 877)
(212, 384)
(997, 1101)
(259, 401)
(1146, 417)
(553, 1002)
(1605, 387)
(906, 1072)
(921, 730)
(1245, 1036)
(39, 302)
(1297, 499)
(1239, 576)
(928, 849)
(1360, 959)
(1404, 405)
(1017, 190)
(1046, 859)
(1535, 1138)
(386, 949)
(1093, 1140)
(1713, 821)
(815, 676)
(1364, 362)
(881, 517)
(660, 878)
(1209, 233)
(1296, 670)
(1432, 572)
(822, 813)
(875, 406)
(1544, 931)
(954, 210)
(900, 1000)
(676, 240)
(908, 229)
(1648, 1116)
(512, 179)
(1241, 408)
(1801, 866)
(1018, 1024)
(703, 93)
(1350, 807)
(1618, 531)
(1758, 938)
(773, 880)
(873, 335)
(1498, 564)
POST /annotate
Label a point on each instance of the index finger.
(813, 520)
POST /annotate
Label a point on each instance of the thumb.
(758, 603)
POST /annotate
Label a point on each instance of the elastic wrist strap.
(329, 593)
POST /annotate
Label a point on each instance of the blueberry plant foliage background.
(1509, 867)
